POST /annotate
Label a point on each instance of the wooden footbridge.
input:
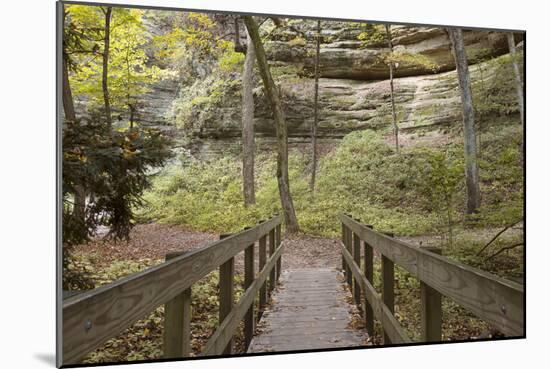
(289, 310)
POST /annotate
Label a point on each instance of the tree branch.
(496, 236)
(503, 249)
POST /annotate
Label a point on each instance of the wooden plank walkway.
(309, 310)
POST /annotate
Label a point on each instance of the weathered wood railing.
(93, 317)
(498, 301)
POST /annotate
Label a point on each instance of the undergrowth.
(419, 191)
(144, 339)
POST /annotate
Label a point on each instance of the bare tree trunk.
(393, 113)
(280, 126)
(519, 82)
(68, 104)
(107, 41)
(315, 111)
(248, 125)
(519, 86)
(470, 150)
(132, 114)
(480, 113)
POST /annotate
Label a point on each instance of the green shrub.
(298, 41)
(231, 61)
(409, 193)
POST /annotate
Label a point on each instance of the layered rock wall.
(353, 89)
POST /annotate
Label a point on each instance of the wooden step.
(309, 310)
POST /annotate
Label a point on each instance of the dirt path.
(303, 251)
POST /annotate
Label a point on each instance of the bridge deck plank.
(309, 310)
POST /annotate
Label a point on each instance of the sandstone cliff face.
(347, 105)
(343, 55)
(353, 89)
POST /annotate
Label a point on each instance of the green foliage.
(191, 30)
(130, 75)
(198, 104)
(478, 55)
(109, 167)
(208, 70)
(441, 186)
(297, 41)
(493, 88)
(77, 274)
(231, 61)
(112, 166)
(508, 264)
(419, 191)
(372, 34)
(363, 176)
(400, 58)
(501, 177)
(215, 188)
(143, 340)
(192, 46)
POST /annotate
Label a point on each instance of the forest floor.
(147, 241)
(106, 261)
(153, 241)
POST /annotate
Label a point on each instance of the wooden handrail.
(225, 331)
(391, 326)
(93, 317)
(495, 300)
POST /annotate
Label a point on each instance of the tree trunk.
(393, 113)
(470, 150)
(291, 222)
(519, 82)
(248, 125)
(107, 41)
(67, 95)
(315, 111)
(68, 104)
(480, 117)
(519, 86)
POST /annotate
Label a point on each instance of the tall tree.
(105, 74)
(393, 113)
(248, 124)
(291, 221)
(113, 165)
(519, 85)
(517, 74)
(470, 151)
(122, 75)
(79, 193)
(315, 110)
(68, 103)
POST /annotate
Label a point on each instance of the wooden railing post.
(226, 278)
(388, 279)
(349, 277)
(262, 257)
(248, 280)
(177, 322)
(431, 313)
(344, 242)
(369, 274)
(273, 274)
(278, 243)
(357, 259)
